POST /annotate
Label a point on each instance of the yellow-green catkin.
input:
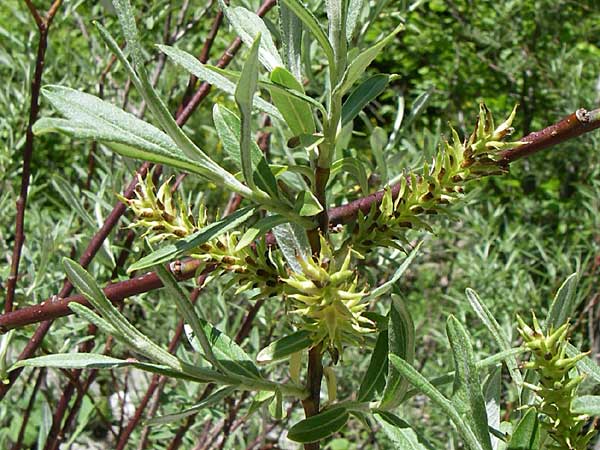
(557, 385)
(439, 184)
(163, 217)
(326, 297)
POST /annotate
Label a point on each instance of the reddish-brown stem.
(34, 108)
(56, 307)
(314, 377)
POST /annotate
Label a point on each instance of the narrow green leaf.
(92, 317)
(291, 39)
(258, 229)
(385, 287)
(374, 379)
(312, 25)
(364, 94)
(492, 391)
(180, 247)
(421, 383)
(85, 284)
(488, 319)
(97, 361)
(139, 77)
(297, 113)
(283, 348)
(89, 117)
(230, 356)
(228, 127)
(400, 432)
(467, 395)
(249, 26)
(527, 433)
(418, 107)
(72, 361)
(352, 19)
(401, 342)
(293, 243)
(586, 404)
(359, 64)
(306, 204)
(244, 93)
(187, 311)
(211, 400)
(354, 167)
(196, 68)
(320, 426)
(564, 303)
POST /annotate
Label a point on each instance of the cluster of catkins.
(325, 297)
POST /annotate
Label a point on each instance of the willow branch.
(572, 126)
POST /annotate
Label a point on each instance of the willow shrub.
(280, 246)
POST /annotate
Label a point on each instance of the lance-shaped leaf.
(400, 432)
(359, 64)
(490, 322)
(364, 94)
(585, 365)
(423, 385)
(564, 303)
(385, 287)
(293, 243)
(312, 25)
(230, 356)
(97, 361)
(88, 117)
(291, 39)
(526, 435)
(285, 347)
(586, 404)
(211, 400)
(210, 75)
(401, 342)
(374, 380)
(249, 26)
(296, 112)
(320, 426)
(180, 247)
(85, 284)
(139, 77)
(467, 395)
(228, 126)
(244, 93)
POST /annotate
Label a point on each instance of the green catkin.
(557, 385)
